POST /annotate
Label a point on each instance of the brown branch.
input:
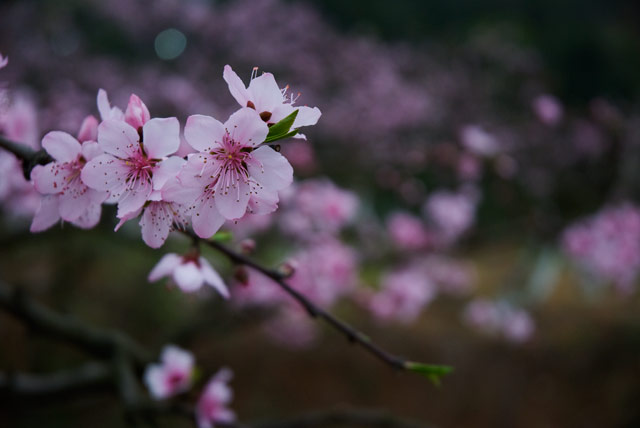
(101, 342)
(87, 376)
(29, 157)
(353, 335)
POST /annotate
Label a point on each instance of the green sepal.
(432, 372)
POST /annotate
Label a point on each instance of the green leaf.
(282, 129)
(222, 236)
(430, 371)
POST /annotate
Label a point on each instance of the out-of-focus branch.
(353, 335)
(87, 376)
(343, 417)
(30, 158)
(101, 342)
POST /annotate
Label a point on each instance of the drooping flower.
(132, 156)
(172, 376)
(189, 272)
(66, 195)
(231, 169)
(213, 404)
(267, 99)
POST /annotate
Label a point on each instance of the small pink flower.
(451, 213)
(189, 272)
(66, 195)
(232, 171)
(478, 141)
(172, 376)
(403, 295)
(212, 405)
(270, 102)
(132, 156)
(548, 109)
(407, 231)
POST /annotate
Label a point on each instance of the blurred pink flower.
(213, 404)
(499, 318)
(172, 376)
(407, 231)
(291, 327)
(4, 60)
(403, 295)
(451, 213)
(607, 244)
(189, 272)
(478, 141)
(548, 109)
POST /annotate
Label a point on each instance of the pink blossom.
(213, 404)
(66, 195)
(4, 60)
(451, 213)
(232, 173)
(500, 318)
(158, 216)
(189, 272)
(478, 141)
(548, 109)
(267, 99)
(403, 295)
(172, 376)
(317, 207)
(407, 231)
(105, 109)
(132, 156)
(607, 245)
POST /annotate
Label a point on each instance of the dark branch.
(87, 376)
(103, 343)
(314, 311)
(29, 157)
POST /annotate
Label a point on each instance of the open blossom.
(172, 376)
(232, 173)
(189, 272)
(132, 156)
(265, 97)
(66, 195)
(213, 404)
(158, 217)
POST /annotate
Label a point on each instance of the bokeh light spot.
(170, 44)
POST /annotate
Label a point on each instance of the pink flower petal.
(232, 201)
(74, 201)
(90, 218)
(206, 219)
(49, 178)
(165, 266)
(273, 171)
(91, 149)
(167, 169)
(105, 172)
(61, 146)
(212, 278)
(202, 132)
(118, 138)
(137, 114)
(134, 198)
(236, 87)
(105, 109)
(265, 93)
(88, 129)
(46, 215)
(246, 127)
(161, 137)
(307, 116)
(188, 277)
(155, 225)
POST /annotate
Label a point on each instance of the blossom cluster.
(607, 245)
(500, 319)
(175, 375)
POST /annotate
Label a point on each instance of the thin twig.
(30, 158)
